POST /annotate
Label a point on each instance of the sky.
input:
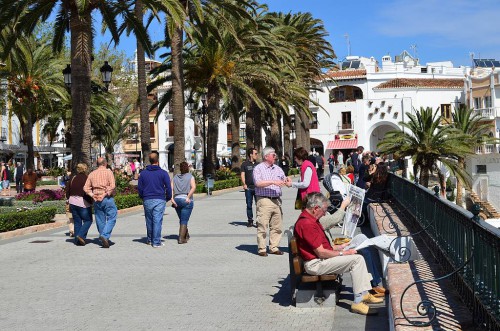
(440, 30)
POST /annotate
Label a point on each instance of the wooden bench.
(310, 290)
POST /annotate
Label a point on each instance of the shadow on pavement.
(238, 223)
(142, 240)
(284, 295)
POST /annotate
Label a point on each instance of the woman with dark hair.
(309, 182)
(182, 199)
(80, 204)
(376, 176)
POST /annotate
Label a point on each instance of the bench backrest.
(297, 262)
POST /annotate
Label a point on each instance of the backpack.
(337, 189)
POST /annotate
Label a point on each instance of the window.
(358, 94)
(481, 169)
(243, 118)
(346, 120)
(314, 121)
(339, 95)
(152, 130)
(133, 131)
(292, 121)
(477, 103)
(446, 112)
(3, 135)
(243, 135)
(487, 101)
(171, 130)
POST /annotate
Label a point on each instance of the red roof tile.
(422, 82)
(346, 74)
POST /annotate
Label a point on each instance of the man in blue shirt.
(155, 190)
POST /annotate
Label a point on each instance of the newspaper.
(353, 211)
(382, 243)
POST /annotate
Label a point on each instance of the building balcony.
(488, 113)
(487, 149)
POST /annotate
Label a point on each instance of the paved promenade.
(215, 282)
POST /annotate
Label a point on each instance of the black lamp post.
(67, 75)
(106, 73)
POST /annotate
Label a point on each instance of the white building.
(363, 100)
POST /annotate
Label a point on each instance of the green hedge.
(293, 171)
(127, 201)
(17, 220)
(219, 185)
(60, 206)
(46, 182)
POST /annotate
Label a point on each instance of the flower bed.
(42, 195)
(24, 218)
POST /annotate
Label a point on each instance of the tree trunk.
(275, 136)
(287, 143)
(178, 112)
(305, 139)
(250, 127)
(143, 93)
(213, 99)
(81, 66)
(30, 160)
(235, 145)
(258, 130)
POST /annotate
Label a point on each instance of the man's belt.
(272, 198)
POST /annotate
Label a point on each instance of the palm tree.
(427, 142)
(470, 124)
(76, 17)
(36, 88)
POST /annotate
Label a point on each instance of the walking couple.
(155, 190)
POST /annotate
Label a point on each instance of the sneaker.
(368, 298)
(362, 309)
(104, 242)
(158, 246)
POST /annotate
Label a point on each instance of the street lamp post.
(203, 112)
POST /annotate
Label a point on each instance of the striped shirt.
(263, 172)
(100, 182)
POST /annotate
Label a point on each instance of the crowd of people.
(263, 183)
(15, 172)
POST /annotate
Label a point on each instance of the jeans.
(5, 184)
(184, 210)
(370, 259)
(82, 218)
(19, 185)
(250, 195)
(105, 216)
(153, 210)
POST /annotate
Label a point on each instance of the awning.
(342, 144)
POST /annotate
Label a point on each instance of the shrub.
(47, 182)
(293, 172)
(42, 195)
(122, 182)
(17, 220)
(224, 173)
(56, 171)
(198, 178)
(127, 201)
(219, 185)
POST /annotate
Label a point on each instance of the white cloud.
(449, 22)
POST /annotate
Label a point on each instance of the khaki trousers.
(355, 264)
(269, 216)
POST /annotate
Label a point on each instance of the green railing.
(454, 234)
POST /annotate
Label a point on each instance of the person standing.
(356, 162)
(183, 190)
(19, 177)
(100, 185)
(308, 178)
(29, 180)
(340, 159)
(138, 168)
(6, 178)
(320, 161)
(331, 162)
(285, 164)
(248, 185)
(80, 204)
(268, 179)
(155, 190)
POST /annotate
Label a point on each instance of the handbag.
(299, 204)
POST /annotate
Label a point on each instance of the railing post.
(436, 191)
(476, 209)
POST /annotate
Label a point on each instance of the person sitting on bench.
(321, 258)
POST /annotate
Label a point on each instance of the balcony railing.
(453, 234)
(487, 149)
(488, 113)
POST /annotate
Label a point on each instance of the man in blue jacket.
(155, 190)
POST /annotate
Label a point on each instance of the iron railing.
(456, 235)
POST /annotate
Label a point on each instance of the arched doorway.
(317, 145)
(378, 133)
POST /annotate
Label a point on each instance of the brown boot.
(187, 234)
(182, 234)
